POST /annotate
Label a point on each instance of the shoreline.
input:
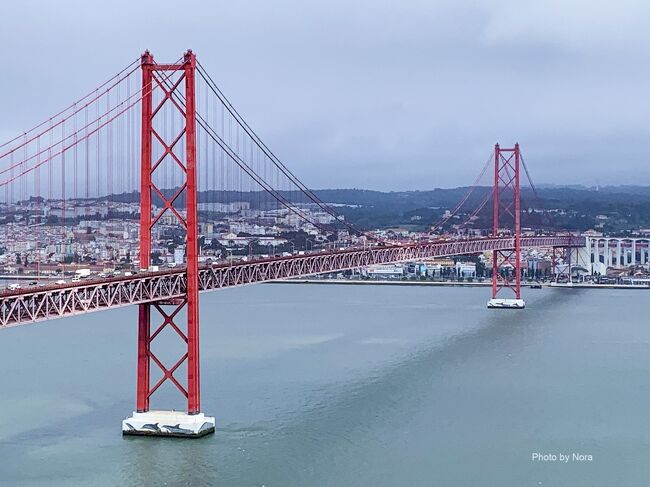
(353, 282)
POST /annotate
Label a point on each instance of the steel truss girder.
(40, 304)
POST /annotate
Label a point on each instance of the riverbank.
(354, 282)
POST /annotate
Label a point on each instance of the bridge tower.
(169, 88)
(506, 264)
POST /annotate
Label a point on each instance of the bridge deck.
(31, 305)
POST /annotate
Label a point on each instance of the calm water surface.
(345, 386)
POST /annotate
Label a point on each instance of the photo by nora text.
(561, 457)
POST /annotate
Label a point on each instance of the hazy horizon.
(542, 186)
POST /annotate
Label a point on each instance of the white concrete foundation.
(498, 303)
(168, 423)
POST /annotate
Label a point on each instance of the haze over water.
(328, 385)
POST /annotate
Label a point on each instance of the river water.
(326, 385)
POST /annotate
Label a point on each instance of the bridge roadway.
(30, 305)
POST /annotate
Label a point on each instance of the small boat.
(535, 286)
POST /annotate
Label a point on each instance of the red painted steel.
(143, 371)
(182, 87)
(193, 383)
(144, 312)
(506, 264)
(145, 160)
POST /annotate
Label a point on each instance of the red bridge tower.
(165, 88)
(506, 264)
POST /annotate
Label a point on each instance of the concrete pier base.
(498, 303)
(177, 424)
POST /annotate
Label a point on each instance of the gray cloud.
(377, 94)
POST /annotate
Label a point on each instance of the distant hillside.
(625, 207)
(621, 208)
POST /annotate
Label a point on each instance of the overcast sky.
(372, 94)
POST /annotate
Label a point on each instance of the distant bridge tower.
(168, 90)
(506, 264)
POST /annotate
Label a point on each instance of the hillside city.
(66, 239)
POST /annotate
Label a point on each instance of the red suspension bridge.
(165, 135)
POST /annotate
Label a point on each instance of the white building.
(386, 271)
(600, 253)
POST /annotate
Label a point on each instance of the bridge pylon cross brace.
(168, 374)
